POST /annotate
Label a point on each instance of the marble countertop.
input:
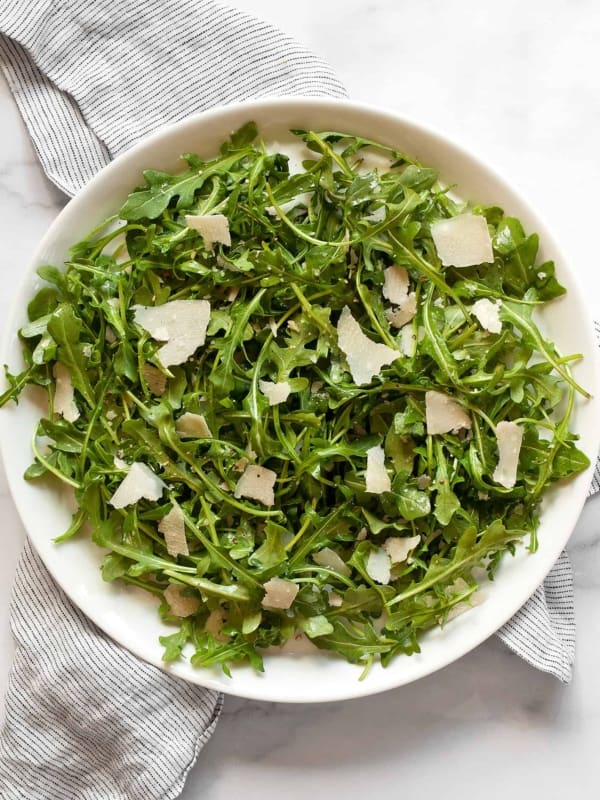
(519, 85)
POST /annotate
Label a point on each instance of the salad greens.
(303, 247)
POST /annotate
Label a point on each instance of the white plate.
(129, 615)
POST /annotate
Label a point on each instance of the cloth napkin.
(85, 718)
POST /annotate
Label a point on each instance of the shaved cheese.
(156, 380)
(257, 483)
(377, 216)
(509, 437)
(395, 284)
(181, 323)
(139, 482)
(276, 393)
(293, 325)
(172, 527)
(365, 357)
(408, 341)
(279, 593)
(398, 547)
(329, 559)
(300, 200)
(180, 605)
(463, 241)
(443, 414)
(423, 482)
(232, 294)
(488, 314)
(398, 317)
(376, 477)
(335, 600)
(64, 396)
(361, 535)
(120, 463)
(395, 289)
(214, 623)
(378, 566)
(192, 426)
(212, 227)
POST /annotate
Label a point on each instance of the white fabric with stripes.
(84, 718)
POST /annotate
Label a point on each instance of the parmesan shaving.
(279, 593)
(276, 393)
(398, 317)
(64, 396)
(257, 483)
(214, 623)
(139, 482)
(365, 357)
(395, 284)
(378, 566)
(212, 227)
(180, 605)
(509, 437)
(335, 600)
(408, 341)
(192, 426)
(463, 241)
(398, 547)
(181, 323)
(329, 559)
(443, 414)
(156, 380)
(488, 314)
(376, 478)
(172, 527)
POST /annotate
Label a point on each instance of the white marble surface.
(519, 84)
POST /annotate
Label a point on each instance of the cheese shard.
(463, 241)
(64, 396)
(156, 380)
(395, 284)
(275, 393)
(443, 414)
(509, 437)
(395, 289)
(398, 547)
(180, 604)
(279, 593)
(398, 317)
(181, 323)
(212, 227)
(139, 482)
(192, 426)
(257, 483)
(213, 625)
(172, 527)
(378, 566)
(488, 314)
(329, 559)
(365, 357)
(376, 478)
(408, 341)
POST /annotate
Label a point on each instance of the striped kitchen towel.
(84, 718)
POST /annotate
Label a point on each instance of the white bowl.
(129, 615)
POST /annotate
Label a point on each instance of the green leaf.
(65, 328)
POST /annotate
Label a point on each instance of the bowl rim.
(538, 570)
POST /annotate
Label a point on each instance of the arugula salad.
(300, 402)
